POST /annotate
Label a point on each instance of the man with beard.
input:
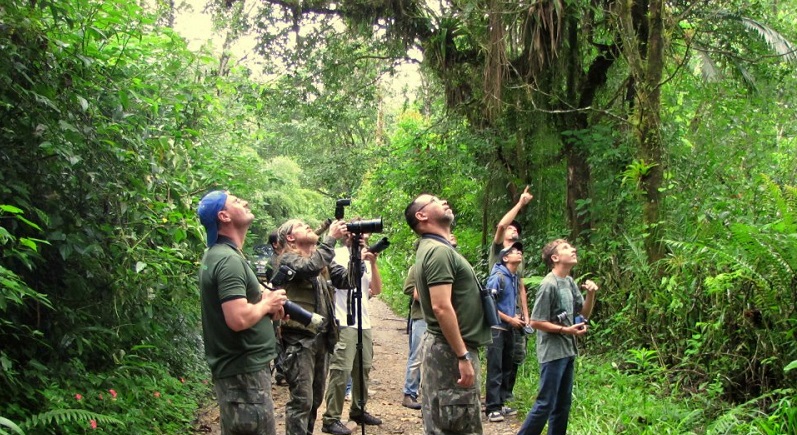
(236, 326)
(456, 327)
(307, 347)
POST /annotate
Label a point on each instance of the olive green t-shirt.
(223, 276)
(438, 263)
(409, 289)
(554, 296)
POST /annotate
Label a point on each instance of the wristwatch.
(465, 357)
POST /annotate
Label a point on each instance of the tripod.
(356, 270)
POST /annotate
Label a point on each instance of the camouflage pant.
(245, 404)
(305, 366)
(448, 408)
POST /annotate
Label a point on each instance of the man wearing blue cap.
(236, 319)
(507, 233)
(501, 370)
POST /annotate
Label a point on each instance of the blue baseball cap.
(208, 211)
(504, 252)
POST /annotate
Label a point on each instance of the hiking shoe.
(365, 419)
(410, 402)
(507, 411)
(336, 428)
(495, 416)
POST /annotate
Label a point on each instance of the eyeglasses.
(434, 199)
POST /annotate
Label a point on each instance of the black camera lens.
(379, 246)
(369, 226)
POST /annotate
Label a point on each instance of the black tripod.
(356, 272)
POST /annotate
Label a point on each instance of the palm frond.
(777, 42)
(708, 68)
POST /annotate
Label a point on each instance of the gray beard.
(514, 238)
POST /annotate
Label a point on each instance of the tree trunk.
(642, 32)
(651, 147)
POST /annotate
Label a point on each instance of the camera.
(340, 207)
(562, 318)
(369, 226)
(527, 330)
(283, 276)
(580, 319)
(361, 226)
(379, 246)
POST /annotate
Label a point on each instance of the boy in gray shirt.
(557, 303)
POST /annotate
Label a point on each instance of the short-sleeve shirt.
(437, 263)
(555, 295)
(409, 289)
(225, 275)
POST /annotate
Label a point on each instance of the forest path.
(387, 381)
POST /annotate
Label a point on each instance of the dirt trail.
(387, 381)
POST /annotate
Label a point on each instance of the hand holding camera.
(284, 275)
(580, 322)
(337, 229)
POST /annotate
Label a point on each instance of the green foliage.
(63, 417)
(420, 158)
(111, 131)
(6, 423)
(783, 418)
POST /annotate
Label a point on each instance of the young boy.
(501, 369)
(558, 301)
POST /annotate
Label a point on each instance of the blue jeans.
(500, 369)
(412, 379)
(553, 399)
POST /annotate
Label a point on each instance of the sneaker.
(495, 416)
(336, 428)
(348, 396)
(507, 411)
(410, 402)
(365, 419)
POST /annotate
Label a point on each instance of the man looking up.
(307, 348)
(555, 306)
(236, 328)
(448, 290)
(507, 233)
(503, 281)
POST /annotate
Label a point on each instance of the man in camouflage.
(236, 328)
(307, 348)
(448, 290)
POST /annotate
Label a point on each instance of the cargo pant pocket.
(243, 411)
(458, 411)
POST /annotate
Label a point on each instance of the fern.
(61, 416)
